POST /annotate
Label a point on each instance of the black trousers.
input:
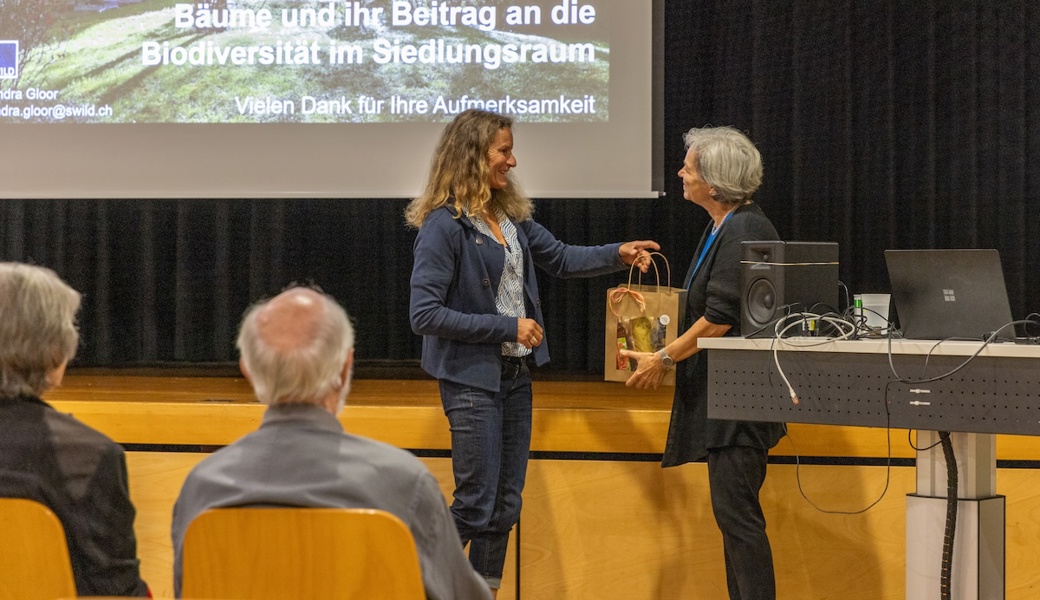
(735, 475)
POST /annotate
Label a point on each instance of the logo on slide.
(8, 59)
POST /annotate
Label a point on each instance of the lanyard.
(707, 246)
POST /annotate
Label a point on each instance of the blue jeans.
(490, 444)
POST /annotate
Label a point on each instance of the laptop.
(940, 294)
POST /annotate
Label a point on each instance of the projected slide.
(303, 61)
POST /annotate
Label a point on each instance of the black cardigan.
(715, 294)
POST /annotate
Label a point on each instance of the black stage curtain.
(882, 125)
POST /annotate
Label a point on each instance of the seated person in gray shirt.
(297, 351)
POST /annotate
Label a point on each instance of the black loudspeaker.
(780, 278)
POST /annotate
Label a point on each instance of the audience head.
(298, 348)
(38, 334)
(727, 161)
(461, 175)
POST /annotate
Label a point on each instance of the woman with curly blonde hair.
(459, 172)
(474, 299)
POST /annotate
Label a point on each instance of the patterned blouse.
(509, 299)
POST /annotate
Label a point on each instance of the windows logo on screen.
(8, 59)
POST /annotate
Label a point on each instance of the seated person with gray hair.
(50, 457)
(297, 352)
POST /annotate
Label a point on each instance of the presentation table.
(900, 384)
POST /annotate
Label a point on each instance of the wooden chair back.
(277, 553)
(34, 557)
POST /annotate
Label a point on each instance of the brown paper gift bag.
(641, 317)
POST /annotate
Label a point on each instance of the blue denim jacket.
(454, 282)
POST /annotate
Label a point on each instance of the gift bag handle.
(619, 293)
(657, 273)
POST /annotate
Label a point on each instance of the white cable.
(846, 328)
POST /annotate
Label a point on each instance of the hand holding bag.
(644, 318)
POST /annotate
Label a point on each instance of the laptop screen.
(941, 294)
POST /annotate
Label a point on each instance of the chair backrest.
(34, 557)
(260, 553)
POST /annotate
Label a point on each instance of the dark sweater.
(81, 475)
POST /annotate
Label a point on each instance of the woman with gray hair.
(721, 171)
(51, 457)
(38, 333)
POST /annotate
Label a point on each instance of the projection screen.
(313, 98)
